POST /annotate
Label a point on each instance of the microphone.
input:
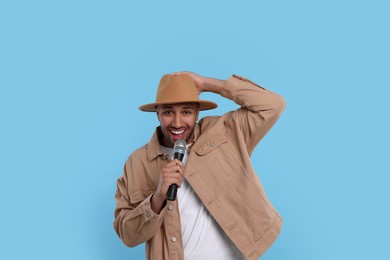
(178, 153)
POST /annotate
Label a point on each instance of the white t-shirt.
(202, 237)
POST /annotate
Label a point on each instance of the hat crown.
(176, 88)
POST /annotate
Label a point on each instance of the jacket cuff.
(233, 83)
(148, 213)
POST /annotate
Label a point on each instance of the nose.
(177, 121)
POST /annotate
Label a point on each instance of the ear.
(197, 112)
(157, 116)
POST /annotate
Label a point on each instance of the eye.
(187, 112)
(167, 112)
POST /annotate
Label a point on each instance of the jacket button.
(173, 239)
(170, 207)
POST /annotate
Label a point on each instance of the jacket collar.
(153, 146)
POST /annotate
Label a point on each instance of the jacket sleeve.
(135, 221)
(259, 109)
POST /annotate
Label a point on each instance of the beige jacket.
(220, 172)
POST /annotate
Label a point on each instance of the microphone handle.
(172, 190)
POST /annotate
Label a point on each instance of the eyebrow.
(184, 107)
(188, 107)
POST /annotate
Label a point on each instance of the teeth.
(177, 132)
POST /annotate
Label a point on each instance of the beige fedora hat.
(177, 88)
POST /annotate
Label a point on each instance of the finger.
(174, 165)
(176, 169)
(180, 72)
(178, 180)
(175, 173)
(174, 162)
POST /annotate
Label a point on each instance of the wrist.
(157, 203)
(213, 85)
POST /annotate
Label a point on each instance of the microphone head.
(180, 146)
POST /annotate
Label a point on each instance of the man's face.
(177, 121)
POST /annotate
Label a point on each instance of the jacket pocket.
(140, 195)
(211, 144)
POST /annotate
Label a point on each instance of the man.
(221, 210)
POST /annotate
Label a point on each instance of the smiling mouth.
(177, 132)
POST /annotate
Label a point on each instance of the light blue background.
(73, 73)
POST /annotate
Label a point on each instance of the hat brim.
(203, 105)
